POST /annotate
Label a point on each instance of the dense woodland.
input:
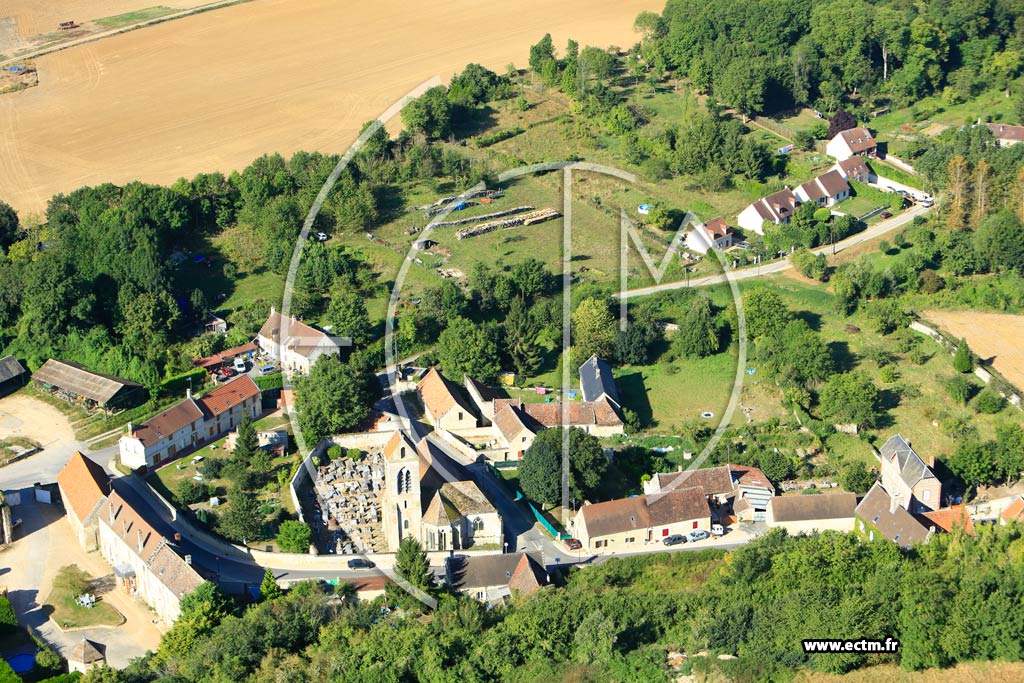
(954, 600)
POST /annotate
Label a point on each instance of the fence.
(784, 132)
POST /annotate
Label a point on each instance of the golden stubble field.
(988, 335)
(213, 91)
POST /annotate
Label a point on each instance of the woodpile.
(486, 216)
(530, 218)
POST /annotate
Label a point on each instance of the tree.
(246, 441)
(959, 389)
(243, 521)
(8, 618)
(468, 348)
(743, 84)
(334, 398)
(764, 312)
(697, 336)
(963, 359)
(842, 120)
(1010, 451)
(206, 601)
(269, 588)
(429, 114)
(10, 231)
(851, 397)
(594, 639)
(346, 314)
(856, 477)
(989, 402)
(293, 536)
(532, 278)
(974, 462)
(521, 331)
(957, 186)
(542, 53)
(777, 466)
(540, 474)
(593, 328)
(412, 565)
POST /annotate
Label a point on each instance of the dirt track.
(213, 91)
(989, 335)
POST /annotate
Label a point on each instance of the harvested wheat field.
(990, 335)
(213, 91)
(33, 17)
(971, 672)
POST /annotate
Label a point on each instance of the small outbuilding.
(85, 655)
(12, 375)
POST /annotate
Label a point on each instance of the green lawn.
(67, 613)
(128, 18)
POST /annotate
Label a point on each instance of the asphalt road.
(780, 265)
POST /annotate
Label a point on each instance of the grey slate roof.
(822, 506)
(10, 368)
(596, 379)
(482, 571)
(911, 467)
(892, 521)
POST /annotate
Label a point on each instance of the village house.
(1006, 135)
(444, 404)
(848, 143)
(597, 382)
(293, 344)
(84, 487)
(482, 397)
(1014, 512)
(493, 579)
(715, 234)
(810, 514)
(880, 514)
(190, 423)
(826, 190)
(631, 523)
(855, 168)
(516, 428)
(429, 497)
(776, 208)
(145, 563)
(599, 418)
(906, 477)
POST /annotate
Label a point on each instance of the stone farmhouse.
(84, 488)
(627, 524)
(906, 477)
(812, 514)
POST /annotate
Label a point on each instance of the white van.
(717, 530)
(240, 365)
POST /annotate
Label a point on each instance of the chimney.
(188, 393)
(110, 507)
(893, 504)
(131, 428)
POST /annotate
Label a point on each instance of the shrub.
(494, 138)
(212, 467)
(191, 492)
(890, 374)
(335, 452)
(989, 402)
(8, 619)
(959, 389)
(72, 580)
(293, 537)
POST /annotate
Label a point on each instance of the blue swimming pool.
(22, 664)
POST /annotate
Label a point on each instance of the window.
(600, 544)
(927, 494)
(405, 524)
(478, 524)
(460, 416)
(694, 524)
(664, 532)
(631, 539)
(875, 520)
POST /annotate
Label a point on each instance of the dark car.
(573, 544)
(886, 214)
(360, 563)
(674, 539)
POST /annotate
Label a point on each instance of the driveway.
(27, 417)
(44, 544)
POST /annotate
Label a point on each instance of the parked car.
(674, 539)
(360, 563)
(321, 236)
(927, 202)
(696, 535)
(573, 544)
(717, 530)
(267, 369)
(240, 365)
(227, 372)
(886, 214)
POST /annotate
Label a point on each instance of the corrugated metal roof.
(75, 379)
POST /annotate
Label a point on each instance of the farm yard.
(361, 68)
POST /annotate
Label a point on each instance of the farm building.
(12, 375)
(294, 344)
(71, 382)
(84, 487)
(625, 524)
(811, 514)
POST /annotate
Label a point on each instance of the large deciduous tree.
(334, 397)
(593, 328)
(468, 348)
(851, 397)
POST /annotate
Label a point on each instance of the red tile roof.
(1004, 132)
(82, 484)
(1014, 512)
(717, 228)
(714, 480)
(753, 477)
(168, 422)
(223, 356)
(438, 394)
(228, 395)
(858, 140)
(948, 519)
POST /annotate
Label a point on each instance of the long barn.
(72, 382)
